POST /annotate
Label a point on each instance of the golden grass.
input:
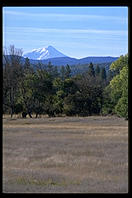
(75, 154)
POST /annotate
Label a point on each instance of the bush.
(122, 107)
(18, 108)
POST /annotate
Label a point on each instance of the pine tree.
(91, 71)
(27, 65)
(62, 72)
(50, 67)
(67, 71)
(110, 75)
(103, 74)
(97, 70)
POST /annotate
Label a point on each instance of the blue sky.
(75, 31)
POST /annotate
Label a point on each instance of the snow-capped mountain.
(43, 53)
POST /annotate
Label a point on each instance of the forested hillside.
(47, 90)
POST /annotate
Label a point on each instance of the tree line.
(45, 90)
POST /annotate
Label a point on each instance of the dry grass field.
(65, 155)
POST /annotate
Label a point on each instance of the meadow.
(65, 155)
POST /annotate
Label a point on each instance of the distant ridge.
(73, 61)
(78, 66)
(59, 61)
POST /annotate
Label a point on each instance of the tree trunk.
(11, 112)
(29, 114)
(24, 114)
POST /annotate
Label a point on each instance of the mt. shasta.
(57, 58)
(43, 53)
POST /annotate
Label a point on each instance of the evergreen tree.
(27, 64)
(67, 71)
(62, 72)
(103, 73)
(55, 72)
(49, 67)
(97, 70)
(110, 75)
(91, 71)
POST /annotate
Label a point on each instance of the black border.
(65, 3)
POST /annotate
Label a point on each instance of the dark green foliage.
(83, 68)
(58, 84)
(67, 71)
(18, 108)
(27, 64)
(47, 91)
(69, 106)
(103, 73)
(69, 86)
(110, 75)
(52, 70)
(97, 70)
(24, 114)
(108, 103)
(86, 98)
(62, 72)
(91, 71)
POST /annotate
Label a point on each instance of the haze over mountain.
(43, 53)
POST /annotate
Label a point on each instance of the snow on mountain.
(43, 53)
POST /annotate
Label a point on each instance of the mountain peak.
(43, 53)
(50, 46)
